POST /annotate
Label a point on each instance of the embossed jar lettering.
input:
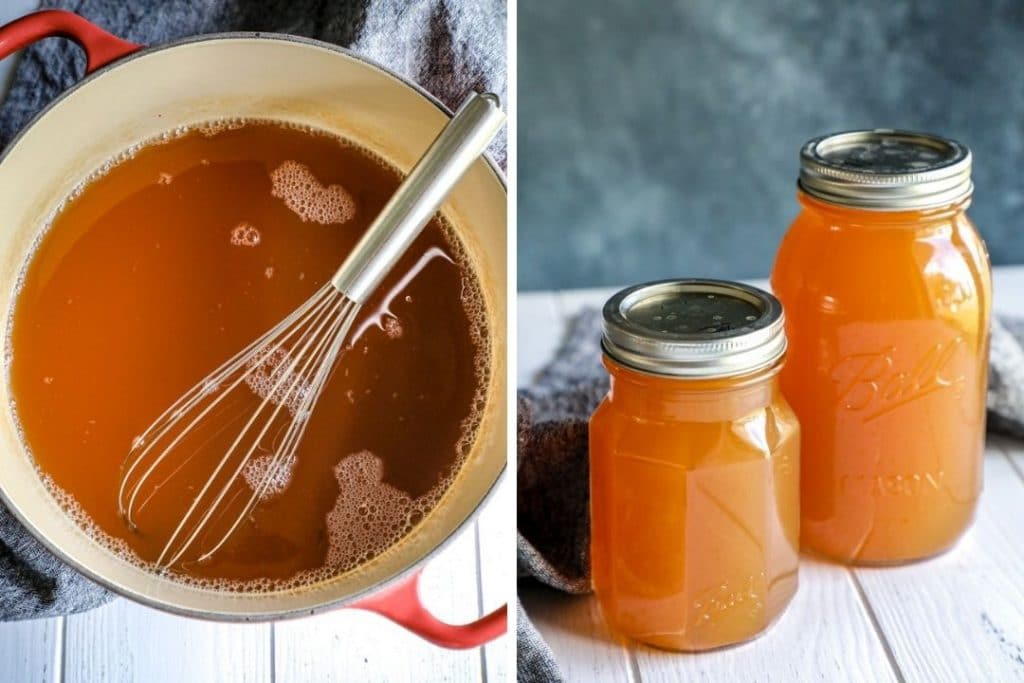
(876, 384)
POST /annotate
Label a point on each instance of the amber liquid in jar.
(694, 505)
(887, 318)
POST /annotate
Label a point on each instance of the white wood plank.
(124, 641)
(824, 635)
(538, 332)
(585, 649)
(960, 616)
(352, 645)
(497, 567)
(30, 651)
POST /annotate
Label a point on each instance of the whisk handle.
(401, 604)
(459, 144)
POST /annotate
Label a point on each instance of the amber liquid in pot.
(177, 257)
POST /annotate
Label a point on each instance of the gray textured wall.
(660, 138)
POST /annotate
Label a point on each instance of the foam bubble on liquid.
(274, 478)
(474, 304)
(165, 178)
(273, 378)
(245, 235)
(392, 327)
(120, 549)
(214, 128)
(84, 521)
(268, 272)
(369, 515)
(307, 198)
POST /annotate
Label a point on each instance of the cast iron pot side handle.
(101, 48)
(401, 604)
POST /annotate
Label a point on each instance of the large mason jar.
(887, 292)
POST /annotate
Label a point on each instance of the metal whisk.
(288, 366)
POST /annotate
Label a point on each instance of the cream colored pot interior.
(242, 76)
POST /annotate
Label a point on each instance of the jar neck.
(659, 397)
(872, 218)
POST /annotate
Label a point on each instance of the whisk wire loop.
(310, 350)
(297, 427)
(211, 385)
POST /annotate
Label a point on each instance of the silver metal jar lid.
(886, 170)
(694, 328)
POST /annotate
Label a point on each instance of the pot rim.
(261, 616)
(244, 35)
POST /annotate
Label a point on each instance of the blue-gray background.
(660, 139)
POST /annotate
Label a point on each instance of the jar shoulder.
(833, 266)
(813, 235)
(702, 436)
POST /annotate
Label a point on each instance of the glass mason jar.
(887, 292)
(694, 465)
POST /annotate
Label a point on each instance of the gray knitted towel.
(553, 489)
(448, 46)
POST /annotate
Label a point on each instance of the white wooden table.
(957, 618)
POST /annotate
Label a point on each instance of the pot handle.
(101, 48)
(401, 604)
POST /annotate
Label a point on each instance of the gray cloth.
(1006, 378)
(535, 662)
(448, 46)
(553, 537)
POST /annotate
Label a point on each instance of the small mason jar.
(694, 465)
(887, 291)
